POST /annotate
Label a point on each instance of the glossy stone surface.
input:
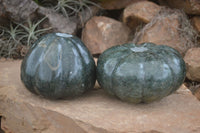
(142, 73)
(58, 66)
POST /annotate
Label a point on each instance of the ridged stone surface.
(58, 66)
(142, 73)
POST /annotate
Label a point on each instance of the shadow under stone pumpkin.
(140, 73)
(58, 65)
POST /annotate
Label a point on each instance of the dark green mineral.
(140, 73)
(58, 65)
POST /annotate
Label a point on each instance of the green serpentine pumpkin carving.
(142, 73)
(58, 65)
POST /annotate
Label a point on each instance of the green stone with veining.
(58, 65)
(140, 73)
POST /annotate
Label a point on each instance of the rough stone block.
(188, 6)
(140, 13)
(94, 112)
(192, 62)
(101, 33)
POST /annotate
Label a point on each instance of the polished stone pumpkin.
(140, 73)
(58, 65)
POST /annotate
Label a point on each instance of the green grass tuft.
(32, 32)
(18, 36)
(73, 7)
